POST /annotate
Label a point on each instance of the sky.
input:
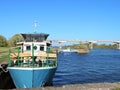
(62, 19)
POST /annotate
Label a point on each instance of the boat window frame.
(42, 46)
(27, 48)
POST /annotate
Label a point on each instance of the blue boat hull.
(31, 77)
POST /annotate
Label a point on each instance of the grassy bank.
(4, 49)
(3, 54)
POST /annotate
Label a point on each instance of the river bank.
(91, 86)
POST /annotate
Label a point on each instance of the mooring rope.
(4, 70)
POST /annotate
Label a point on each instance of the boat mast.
(35, 25)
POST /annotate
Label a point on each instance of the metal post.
(18, 56)
(48, 51)
(56, 59)
(9, 59)
(32, 55)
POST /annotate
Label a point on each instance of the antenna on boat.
(35, 25)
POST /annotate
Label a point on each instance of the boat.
(68, 50)
(83, 51)
(32, 64)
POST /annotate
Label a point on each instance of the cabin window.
(41, 48)
(28, 47)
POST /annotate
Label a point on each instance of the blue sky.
(62, 19)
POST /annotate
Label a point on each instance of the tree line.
(86, 46)
(10, 42)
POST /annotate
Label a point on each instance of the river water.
(100, 65)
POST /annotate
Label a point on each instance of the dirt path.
(92, 86)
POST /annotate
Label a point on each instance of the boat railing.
(27, 59)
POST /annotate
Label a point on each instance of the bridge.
(90, 42)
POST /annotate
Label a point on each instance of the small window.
(41, 48)
(28, 48)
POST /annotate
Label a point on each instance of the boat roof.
(38, 37)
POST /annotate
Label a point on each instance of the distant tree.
(113, 46)
(3, 41)
(75, 46)
(82, 46)
(12, 42)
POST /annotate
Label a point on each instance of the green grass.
(116, 89)
(3, 54)
(3, 58)
(4, 49)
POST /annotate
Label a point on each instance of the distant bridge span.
(85, 41)
(88, 41)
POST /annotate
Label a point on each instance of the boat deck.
(27, 60)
